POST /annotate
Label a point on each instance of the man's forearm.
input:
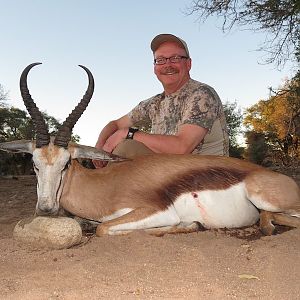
(163, 143)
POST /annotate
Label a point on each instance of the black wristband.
(131, 132)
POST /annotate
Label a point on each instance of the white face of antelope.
(50, 157)
(50, 165)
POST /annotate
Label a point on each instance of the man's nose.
(168, 61)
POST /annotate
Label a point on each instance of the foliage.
(278, 119)
(257, 149)
(234, 119)
(279, 19)
(14, 125)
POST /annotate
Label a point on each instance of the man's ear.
(20, 146)
(189, 62)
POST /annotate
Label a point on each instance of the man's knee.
(130, 148)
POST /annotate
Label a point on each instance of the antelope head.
(52, 156)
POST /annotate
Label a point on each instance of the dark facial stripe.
(200, 180)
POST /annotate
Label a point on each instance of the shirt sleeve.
(202, 107)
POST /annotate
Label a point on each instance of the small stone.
(47, 232)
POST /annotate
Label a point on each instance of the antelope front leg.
(180, 228)
(139, 219)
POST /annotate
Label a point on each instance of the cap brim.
(162, 38)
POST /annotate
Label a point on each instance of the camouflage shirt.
(195, 103)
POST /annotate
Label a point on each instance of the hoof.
(265, 223)
(268, 229)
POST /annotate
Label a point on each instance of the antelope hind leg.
(283, 219)
(268, 218)
(265, 222)
(138, 219)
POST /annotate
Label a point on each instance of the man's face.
(172, 75)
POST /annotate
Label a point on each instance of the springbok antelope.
(158, 193)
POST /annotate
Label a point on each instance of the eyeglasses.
(173, 59)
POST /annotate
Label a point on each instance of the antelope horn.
(42, 134)
(65, 131)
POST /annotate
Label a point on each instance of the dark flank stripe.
(200, 180)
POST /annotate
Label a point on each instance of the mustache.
(169, 69)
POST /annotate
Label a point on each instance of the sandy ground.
(217, 264)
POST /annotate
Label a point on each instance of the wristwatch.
(131, 132)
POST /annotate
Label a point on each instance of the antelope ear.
(81, 151)
(18, 146)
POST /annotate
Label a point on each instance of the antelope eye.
(35, 167)
(67, 165)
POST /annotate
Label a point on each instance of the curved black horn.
(42, 134)
(65, 131)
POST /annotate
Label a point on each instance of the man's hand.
(99, 163)
(110, 145)
(112, 142)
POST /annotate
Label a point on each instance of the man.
(187, 117)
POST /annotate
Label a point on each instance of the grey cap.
(167, 37)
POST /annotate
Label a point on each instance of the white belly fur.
(217, 209)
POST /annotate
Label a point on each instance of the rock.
(47, 232)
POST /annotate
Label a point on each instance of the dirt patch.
(211, 264)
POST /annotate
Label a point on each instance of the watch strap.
(131, 132)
